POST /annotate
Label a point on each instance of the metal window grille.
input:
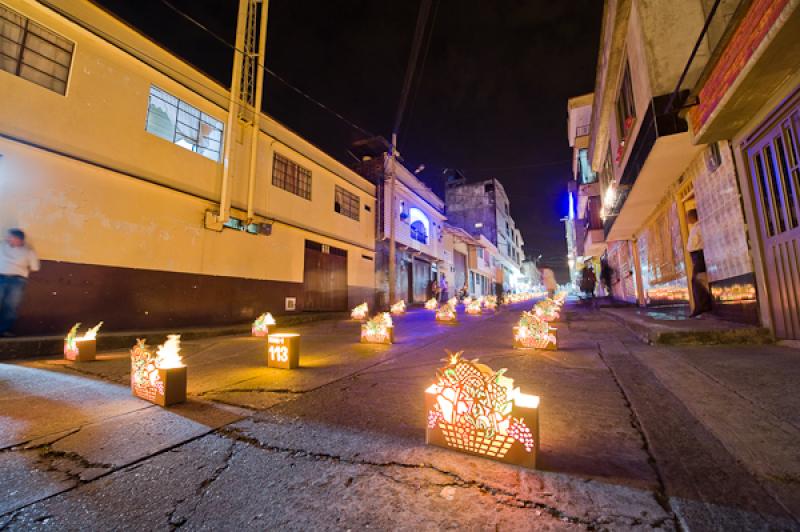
(291, 177)
(626, 107)
(418, 232)
(346, 203)
(180, 123)
(33, 52)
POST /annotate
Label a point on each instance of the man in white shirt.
(694, 245)
(17, 260)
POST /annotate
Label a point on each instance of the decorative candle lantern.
(159, 378)
(479, 411)
(447, 314)
(81, 348)
(490, 302)
(473, 307)
(360, 312)
(399, 307)
(431, 304)
(378, 330)
(533, 332)
(262, 324)
(453, 301)
(283, 350)
(547, 310)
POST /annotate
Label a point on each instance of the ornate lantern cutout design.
(547, 310)
(473, 409)
(262, 324)
(81, 348)
(431, 304)
(283, 350)
(532, 332)
(161, 377)
(490, 302)
(399, 307)
(360, 312)
(473, 307)
(447, 314)
(378, 330)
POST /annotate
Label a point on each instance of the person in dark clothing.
(588, 282)
(694, 245)
(606, 274)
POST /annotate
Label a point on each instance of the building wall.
(662, 260)
(117, 214)
(726, 250)
(623, 282)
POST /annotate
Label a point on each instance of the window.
(587, 175)
(291, 177)
(33, 52)
(180, 123)
(418, 232)
(346, 203)
(626, 107)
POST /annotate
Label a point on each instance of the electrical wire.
(266, 69)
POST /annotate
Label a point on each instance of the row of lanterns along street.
(471, 408)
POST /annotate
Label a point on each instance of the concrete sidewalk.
(673, 326)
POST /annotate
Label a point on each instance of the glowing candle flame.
(168, 354)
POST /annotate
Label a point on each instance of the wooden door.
(773, 163)
(324, 277)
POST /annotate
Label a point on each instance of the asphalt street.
(632, 436)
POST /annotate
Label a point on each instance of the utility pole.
(422, 19)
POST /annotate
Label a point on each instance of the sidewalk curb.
(659, 334)
(38, 346)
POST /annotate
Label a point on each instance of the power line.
(267, 69)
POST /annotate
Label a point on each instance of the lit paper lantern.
(531, 332)
(473, 307)
(378, 330)
(431, 304)
(453, 301)
(399, 307)
(475, 410)
(81, 348)
(360, 312)
(262, 324)
(283, 350)
(446, 314)
(161, 377)
(490, 302)
(547, 310)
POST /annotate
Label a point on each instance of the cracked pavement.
(632, 437)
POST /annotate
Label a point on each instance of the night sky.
(490, 94)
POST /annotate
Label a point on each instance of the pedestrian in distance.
(694, 245)
(588, 283)
(606, 276)
(17, 261)
(443, 289)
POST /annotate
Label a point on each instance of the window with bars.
(180, 123)
(346, 203)
(33, 52)
(291, 177)
(626, 107)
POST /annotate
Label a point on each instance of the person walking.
(17, 261)
(443, 295)
(606, 276)
(588, 283)
(694, 245)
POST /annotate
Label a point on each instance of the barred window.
(180, 123)
(291, 177)
(346, 203)
(33, 52)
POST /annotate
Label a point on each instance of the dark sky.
(490, 96)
